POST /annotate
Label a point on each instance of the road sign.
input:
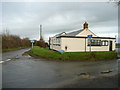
(32, 41)
(89, 36)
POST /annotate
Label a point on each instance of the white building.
(78, 41)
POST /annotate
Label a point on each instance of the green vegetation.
(41, 43)
(53, 55)
(13, 42)
(117, 46)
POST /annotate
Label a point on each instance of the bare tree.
(13, 41)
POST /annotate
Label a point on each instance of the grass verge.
(117, 46)
(12, 49)
(67, 56)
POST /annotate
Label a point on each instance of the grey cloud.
(24, 18)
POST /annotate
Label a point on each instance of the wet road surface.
(29, 72)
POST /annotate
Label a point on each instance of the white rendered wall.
(73, 44)
(78, 45)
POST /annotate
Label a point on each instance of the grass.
(117, 46)
(12, 49)
(53, 55)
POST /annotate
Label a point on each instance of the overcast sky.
(24, 18)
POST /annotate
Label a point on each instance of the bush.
(13, 41)
(41, 43)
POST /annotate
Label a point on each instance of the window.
(59, 40)
(56, 44)
(104, 43)
(97, 42)
(94, 42)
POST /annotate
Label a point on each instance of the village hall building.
(82, 40)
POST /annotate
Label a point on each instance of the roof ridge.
(60, 33)
(75, 31)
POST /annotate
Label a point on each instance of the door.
(110, 46)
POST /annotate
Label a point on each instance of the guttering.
(85, 37)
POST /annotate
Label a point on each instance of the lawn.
(54, 55)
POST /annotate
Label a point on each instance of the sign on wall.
(89, 36)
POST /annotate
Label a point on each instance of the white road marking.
(1, 62)
(4, 61)
(7, 60)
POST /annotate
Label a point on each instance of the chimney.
(85, 25)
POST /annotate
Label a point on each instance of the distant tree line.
(13, 41)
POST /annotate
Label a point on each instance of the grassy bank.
(117, 46)
(12, 49)
(53, 55)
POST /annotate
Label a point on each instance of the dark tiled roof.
(74, 33)
(59, 34)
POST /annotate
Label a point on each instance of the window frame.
(95, 42)
(105, 42)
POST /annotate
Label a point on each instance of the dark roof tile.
(74, 33)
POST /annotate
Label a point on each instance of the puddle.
(107, 71)
(84, 75)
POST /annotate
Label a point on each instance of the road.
(29, 72)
